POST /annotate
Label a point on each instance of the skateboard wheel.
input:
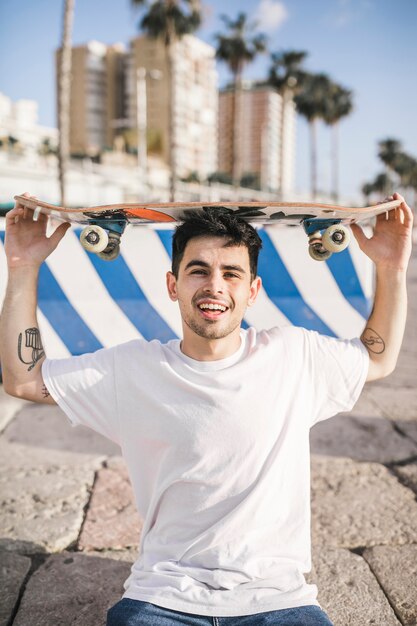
(94, 238)
(318, 252)
(336, 238)
(111, 254)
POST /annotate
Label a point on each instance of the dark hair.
(215, 222)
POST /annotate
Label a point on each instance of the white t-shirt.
(218, 457)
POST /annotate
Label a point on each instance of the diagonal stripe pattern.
(86, 303)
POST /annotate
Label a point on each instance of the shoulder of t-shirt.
(292, 339)
(283, 333)
(138, 346)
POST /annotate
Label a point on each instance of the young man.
(214, 428)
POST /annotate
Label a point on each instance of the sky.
(368, 46)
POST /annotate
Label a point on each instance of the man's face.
(213, 288)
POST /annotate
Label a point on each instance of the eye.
(231, 275)
(198, 272)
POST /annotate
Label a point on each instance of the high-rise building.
(105, 100)
(140, 97)
(256, 131)
(97, 88)
(187, 106)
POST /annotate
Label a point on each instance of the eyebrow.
(198, 262)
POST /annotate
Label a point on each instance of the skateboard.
(324, 224)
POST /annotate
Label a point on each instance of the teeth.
(213, 307)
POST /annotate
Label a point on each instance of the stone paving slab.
(43, 494)
(364, 438)
(13, 571)
(360, 504)
(396, 570)
(112, 520)
(409, 429)
(44, 426)
(9, 406)
(128, 555)
(72, 589)
(348, 591)
(398, 406)
(408, 475)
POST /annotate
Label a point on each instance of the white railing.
(93, 184)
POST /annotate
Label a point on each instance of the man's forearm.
(21, 349)
(384, 330)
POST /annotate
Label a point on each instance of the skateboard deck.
(104, 225)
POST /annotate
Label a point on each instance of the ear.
(172, 286)
(254, 290)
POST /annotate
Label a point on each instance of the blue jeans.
(129, 612)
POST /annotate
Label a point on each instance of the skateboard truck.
(103, 236)
(335, 238)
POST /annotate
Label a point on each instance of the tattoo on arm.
(373, 341)
(32, 340)
(45, 391)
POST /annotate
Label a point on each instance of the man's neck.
(202, 349)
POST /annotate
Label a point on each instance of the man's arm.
(389, 248)
(21, 350)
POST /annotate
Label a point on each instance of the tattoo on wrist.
(45, 391)
(32, 340)
(373, 341)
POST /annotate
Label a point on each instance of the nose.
(214, 283)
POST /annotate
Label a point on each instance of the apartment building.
(97, 98)
(182, 97)
(19, 123)
(181, 94)
(258, 134)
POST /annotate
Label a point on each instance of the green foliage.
(220, 177)
(286, 73)
(338, 104)
(388, 149)
(192, 177)
(399, 162)
(46, 148)
(11, 144)
(239, 45)
(169, 19)
(251, 180)
(311, 101)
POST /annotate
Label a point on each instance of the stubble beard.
(210, 330)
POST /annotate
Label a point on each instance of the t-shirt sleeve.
(339, 369)
(84, 388)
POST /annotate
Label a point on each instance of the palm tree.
(238, 47)
(367, 189)
(287, 76)
(170, 20)
(388, 150)
(311, 104)
(64, 97)
(399, 162)
(338, 105)
(383, 185)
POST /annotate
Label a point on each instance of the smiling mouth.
(212, 307)
(211, 310)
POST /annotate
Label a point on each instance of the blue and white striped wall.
(86, 303)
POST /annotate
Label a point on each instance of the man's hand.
(390, 245)
(26, 243)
